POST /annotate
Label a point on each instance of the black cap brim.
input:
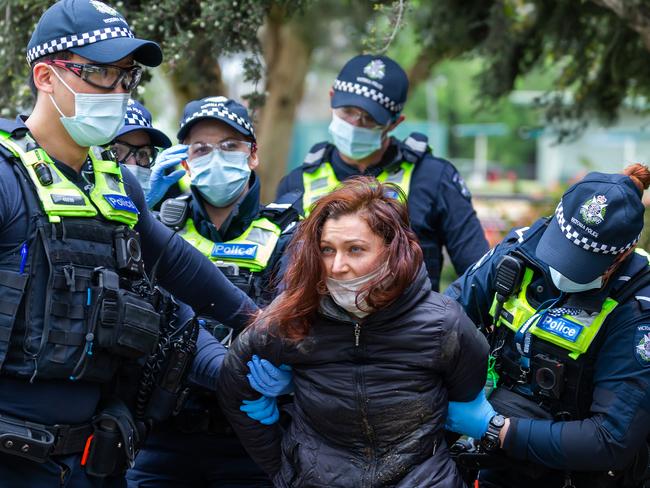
(344, 99)
(109, 51)
(574, 262)
(182, 133)
(158, 138)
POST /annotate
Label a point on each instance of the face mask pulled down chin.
(352, 141)
(344, 293)
(143, 175)
(564, 284)
(220, 179)
(97, 117)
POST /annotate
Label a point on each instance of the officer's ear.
(43, 78)
(394, 125)
(253, 160)
(186, 166)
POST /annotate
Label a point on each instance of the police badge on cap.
(377, 84)
(597, 219)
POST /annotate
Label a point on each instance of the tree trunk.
(287, 58)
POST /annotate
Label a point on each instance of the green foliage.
(453, 95)
(192, 33)
(594, 54)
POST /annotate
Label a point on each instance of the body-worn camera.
(548, 379)
(128, 252)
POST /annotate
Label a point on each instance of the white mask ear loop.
(52, 98)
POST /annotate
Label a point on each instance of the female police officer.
(570, 301)
(223, 219)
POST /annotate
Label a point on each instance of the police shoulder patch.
(461, 185)
(642, 344)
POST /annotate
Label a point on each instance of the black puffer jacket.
(368, 412)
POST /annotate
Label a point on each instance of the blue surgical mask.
(564, 284)
(220, 177)
(143, 175)
(352, 141)
(97, 117)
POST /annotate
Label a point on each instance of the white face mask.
(97, 117)
(564, 284)
(344, 293)
(141, 174)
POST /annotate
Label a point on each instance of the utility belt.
(108, 442)
(470, 459)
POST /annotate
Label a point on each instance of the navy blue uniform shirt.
(439, 204)
(620, 406)
(182, 270)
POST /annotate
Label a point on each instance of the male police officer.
(367, 99)
(136, 146)
(570, 301)
(76, 302)
(222, 218)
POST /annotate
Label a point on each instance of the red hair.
(639, 174)
(380, 205)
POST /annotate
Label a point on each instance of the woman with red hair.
(376, 354)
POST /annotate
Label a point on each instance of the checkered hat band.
(585, 242)
(76, 40)
(133, 118)
(366, 91)
(222, 113)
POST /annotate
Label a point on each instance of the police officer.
(223, 219)
(566, 303)
(79, 257)
(137, 146)
(367, 100)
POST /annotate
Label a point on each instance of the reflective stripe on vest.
(252, 250)
(324, 181)
(62, 198)
(517, 310)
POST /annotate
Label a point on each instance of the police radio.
(506, 282)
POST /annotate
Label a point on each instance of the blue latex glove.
(161, 182)
(470, 418)
(264, 410)
(269, 380)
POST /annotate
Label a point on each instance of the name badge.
(236, 251)
(67, 199)
(121, 202)
(561, 327)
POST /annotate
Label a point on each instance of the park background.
(523, 96)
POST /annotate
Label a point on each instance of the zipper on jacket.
(357, 334)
